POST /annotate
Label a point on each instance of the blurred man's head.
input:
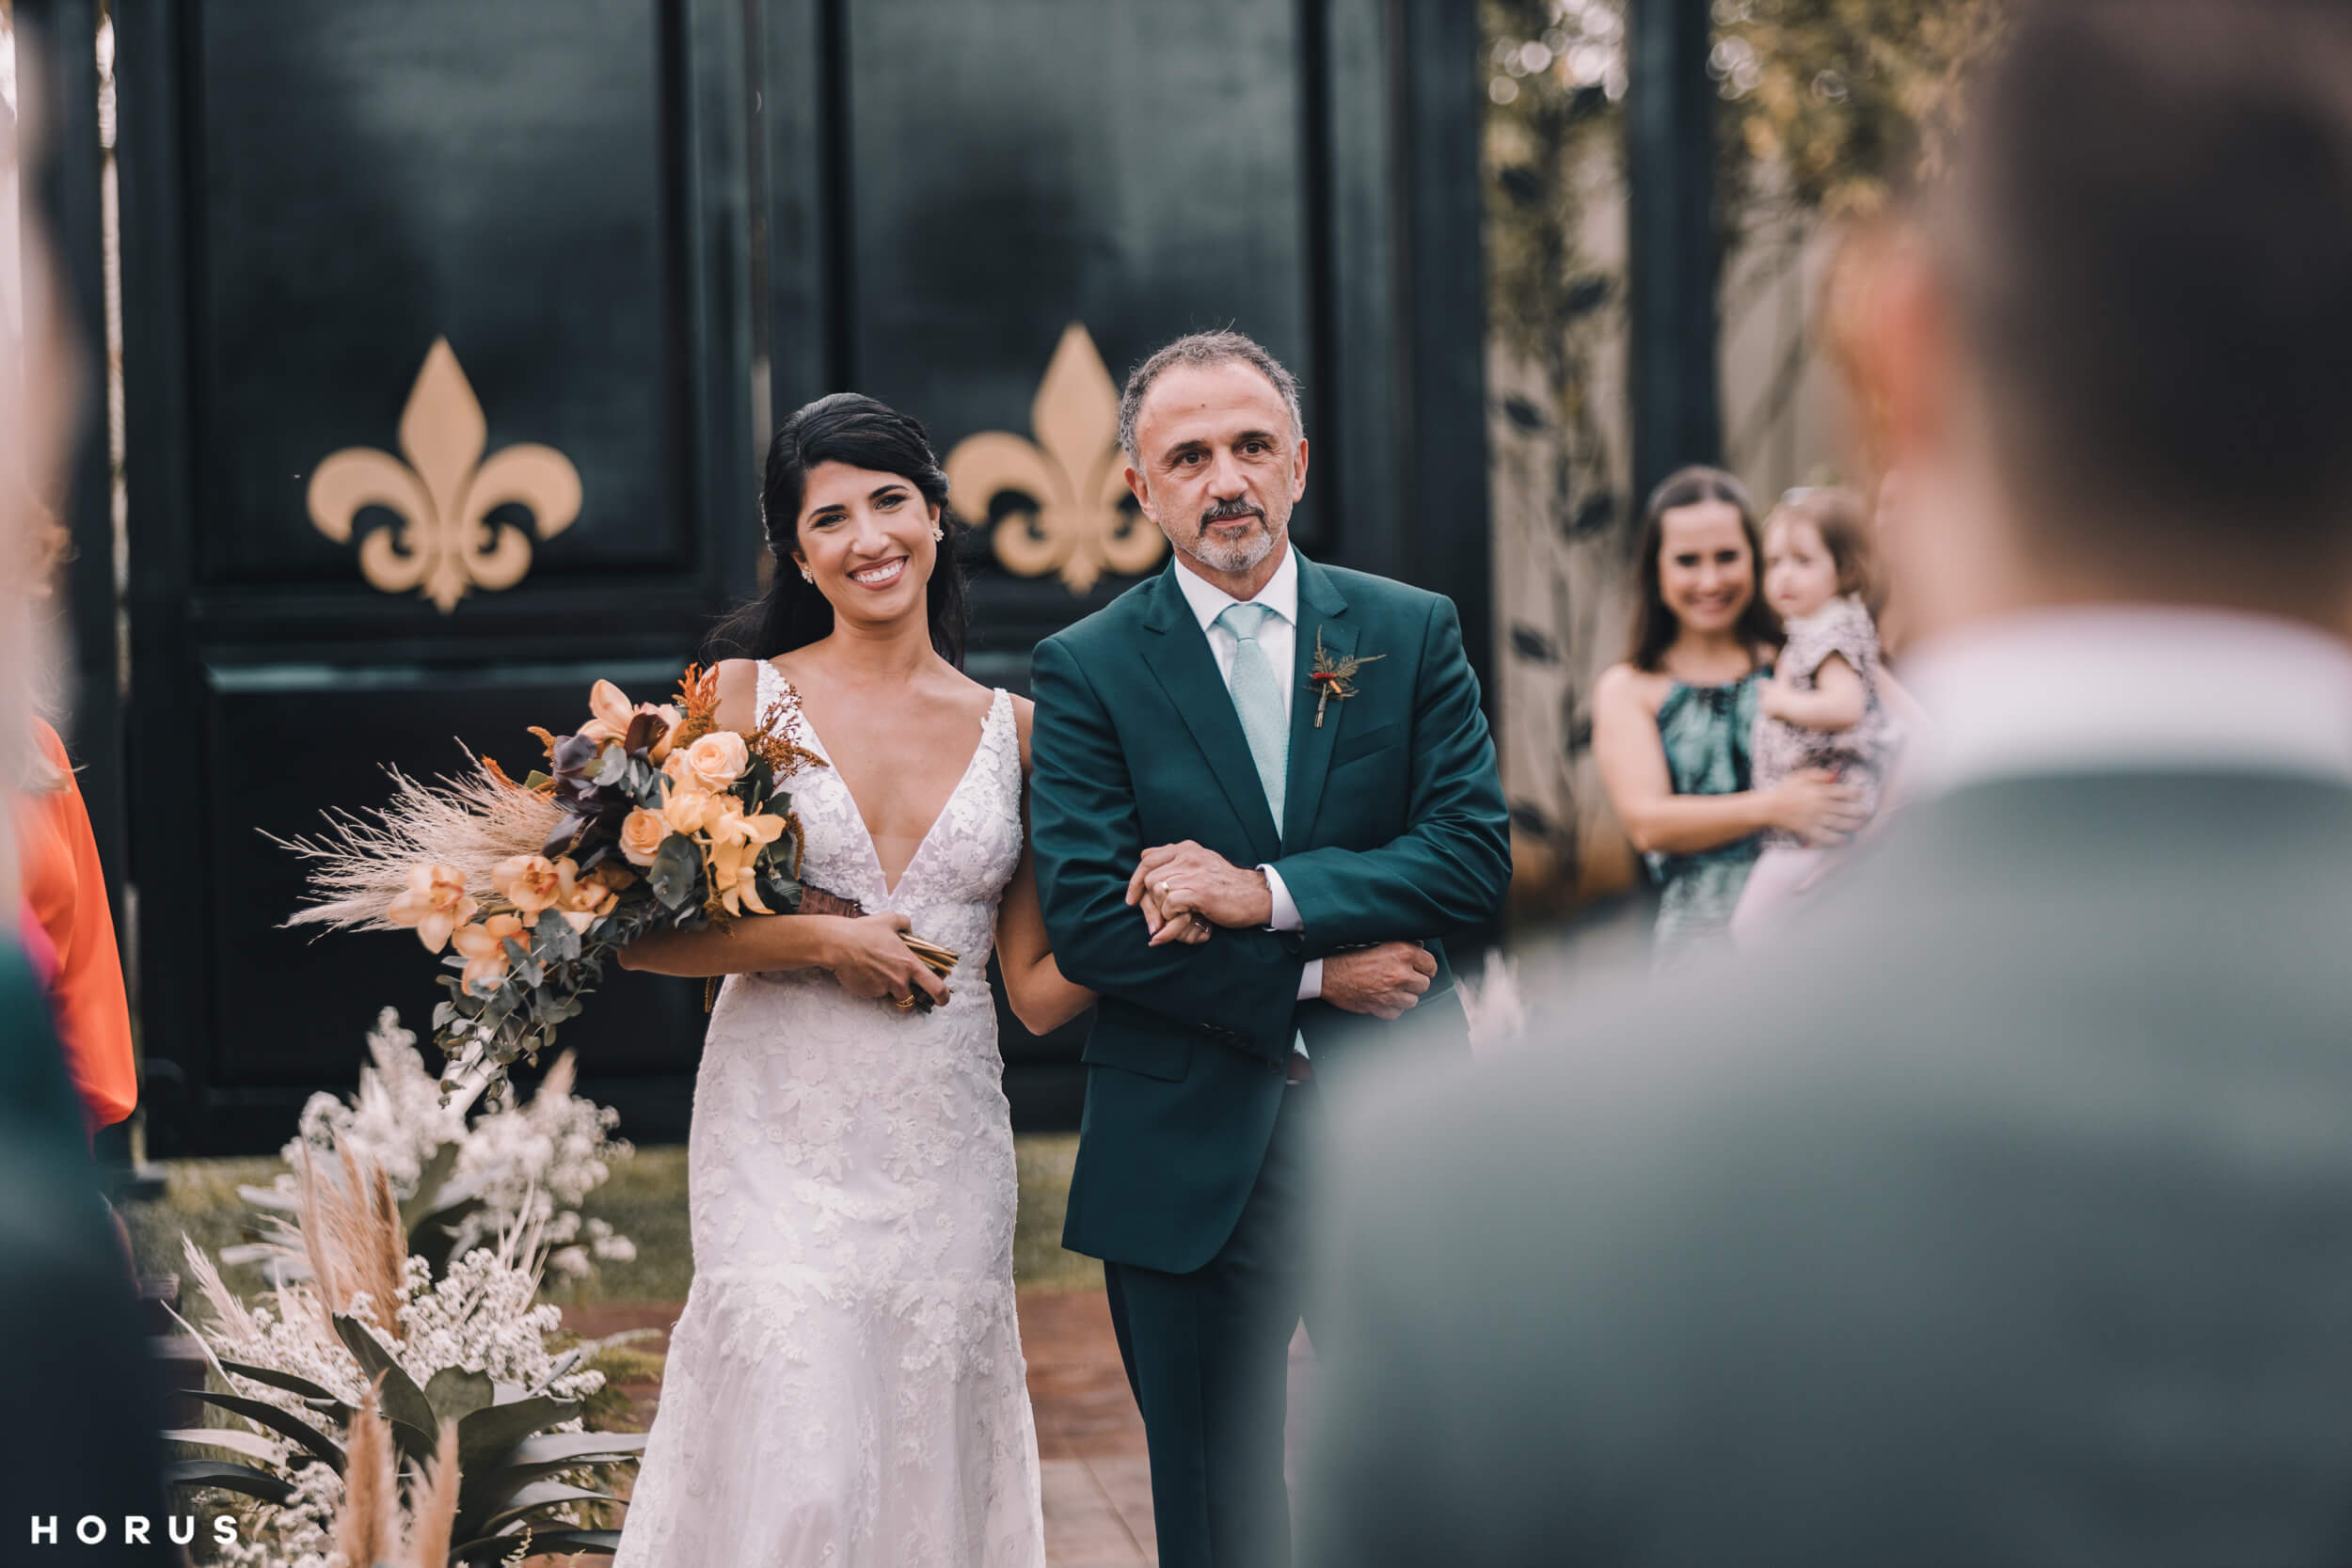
(2115, 360)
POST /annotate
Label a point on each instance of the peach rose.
(435, 904)
(530, 882)
(641, 832)
(718, 759)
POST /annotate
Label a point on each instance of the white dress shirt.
(1277, 640)
(2107, 686)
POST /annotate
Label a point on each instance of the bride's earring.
(938, 533)
(807, 576)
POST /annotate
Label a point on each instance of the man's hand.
(1175, 881)
(1386, 981)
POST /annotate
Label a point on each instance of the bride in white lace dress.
(845, 1387)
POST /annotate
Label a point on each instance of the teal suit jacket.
(1394, 827)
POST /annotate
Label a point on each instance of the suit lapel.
(1187, 669)
(1321, 613)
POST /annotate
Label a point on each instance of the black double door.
(450, 335)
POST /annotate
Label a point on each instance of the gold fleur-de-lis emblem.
(444, 544)
(1072, 480)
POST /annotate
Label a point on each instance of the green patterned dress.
(1706, 730)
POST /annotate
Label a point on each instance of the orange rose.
(641, 832)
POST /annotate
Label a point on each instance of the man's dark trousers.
(1212, 1378)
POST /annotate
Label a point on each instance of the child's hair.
(1843, 521)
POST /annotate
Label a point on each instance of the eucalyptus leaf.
(675, 870)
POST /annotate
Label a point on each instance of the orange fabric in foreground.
(65, 887)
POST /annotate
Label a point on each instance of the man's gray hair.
(1205, 348)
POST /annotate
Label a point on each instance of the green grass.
(644, 1200)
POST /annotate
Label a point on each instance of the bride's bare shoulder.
(738, 693)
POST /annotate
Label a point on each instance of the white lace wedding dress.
(845, 1387)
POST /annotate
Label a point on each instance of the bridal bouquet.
(646, 818)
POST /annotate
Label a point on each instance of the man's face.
(1219, 466)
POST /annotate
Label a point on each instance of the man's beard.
(1241, 555)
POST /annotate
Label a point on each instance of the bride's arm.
(865, 954)
(1041, 998)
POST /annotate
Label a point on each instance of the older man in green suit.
(1997, 1213)
(1296, 757)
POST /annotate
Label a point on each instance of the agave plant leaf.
(456, 1393)
(403, 1403)
(539, 1494)
(487, 1441)
(427, 1198)
(236, 1439)
(492, 1548)
(555, 1453)
(435, 1238)
(280, 1422)
(562, 1368)
(271, 1198)
(603, 1542)
(276, 1379)
(229, 1478)
(488, 1437)
(548, 1447)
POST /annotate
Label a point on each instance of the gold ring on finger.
(903, 1002)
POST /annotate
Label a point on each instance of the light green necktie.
(1258, 701)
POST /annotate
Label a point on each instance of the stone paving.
(1097, 1479)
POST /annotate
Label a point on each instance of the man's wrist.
(1281, 913)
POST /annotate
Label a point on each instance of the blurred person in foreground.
(2024, 1245)
(81, 1441)
(66, 925)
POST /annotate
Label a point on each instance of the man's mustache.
(1227, 511)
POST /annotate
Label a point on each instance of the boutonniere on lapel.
(1334, 677)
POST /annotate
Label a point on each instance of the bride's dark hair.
(846, 427)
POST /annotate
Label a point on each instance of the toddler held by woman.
(1827, 704)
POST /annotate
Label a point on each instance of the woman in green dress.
(1670, 725)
